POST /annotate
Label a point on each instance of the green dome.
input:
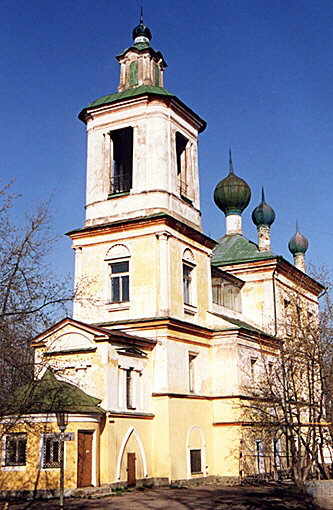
(263, 214)
(232, 195)
(298, 243)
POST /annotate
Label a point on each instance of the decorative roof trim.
(101, 334)
(178, 225)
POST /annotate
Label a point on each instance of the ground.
(210, 497)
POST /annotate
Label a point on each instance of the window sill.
(13, 468)
(190, 309)
(116, 195)
(118, 306)
(197, 473)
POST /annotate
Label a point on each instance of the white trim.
(51, 418)
(122, 448)
(94, 460)
(202, 448)
(120, 251)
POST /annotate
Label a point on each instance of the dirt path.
(201, 498)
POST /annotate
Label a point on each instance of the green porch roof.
(236, 248)
(49, 395)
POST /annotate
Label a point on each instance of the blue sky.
(260, 72)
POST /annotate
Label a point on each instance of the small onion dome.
(298, 243)
(141, 30)
(263, 213)
(232, 195)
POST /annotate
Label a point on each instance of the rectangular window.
(277, 453)
(187, 284)
(122, 160)
(253, 362)
(287, 314)
(217, 291)
(195, 458)
(120, 282)
(51, 451)
(260, 458)
(15, 449)
(191, 371)
(129, 389)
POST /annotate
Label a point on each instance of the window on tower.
(120, 281)
(118, 260)
(121, 160)
(183, 164)
(187, 283)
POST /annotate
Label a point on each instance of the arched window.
(188, 266)
(118, 257)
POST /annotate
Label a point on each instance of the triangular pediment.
(68, 335)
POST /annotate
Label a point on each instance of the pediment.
(68, 341)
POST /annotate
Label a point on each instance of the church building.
(169, 326)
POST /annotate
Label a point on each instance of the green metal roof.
(128, 93)
(236, 248)
(241, 324)
(140, 91)
(49, 395)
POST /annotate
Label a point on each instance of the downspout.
(274, 301)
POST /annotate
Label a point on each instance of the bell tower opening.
(121, 160)
(183, 166)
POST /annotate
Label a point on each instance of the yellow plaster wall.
(32, 476)
(114, 448)
(183, 415)
(226, 447)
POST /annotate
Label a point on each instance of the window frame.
(191, 371)
(16, 437)
(54, 439)
(130, 389)
(187, 282)
(183, 166)
(120, 276)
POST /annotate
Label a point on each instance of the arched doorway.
(132, 464)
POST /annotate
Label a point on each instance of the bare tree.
(291, 397)
(31, 297)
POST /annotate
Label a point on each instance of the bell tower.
(142, 145)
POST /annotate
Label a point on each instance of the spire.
(231, 166)
(262, 195)
(141, 33)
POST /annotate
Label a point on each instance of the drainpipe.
(274, 301)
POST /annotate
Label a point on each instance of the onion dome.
(232, 194)
(298, 243)
(263, 214)
(141, 30)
